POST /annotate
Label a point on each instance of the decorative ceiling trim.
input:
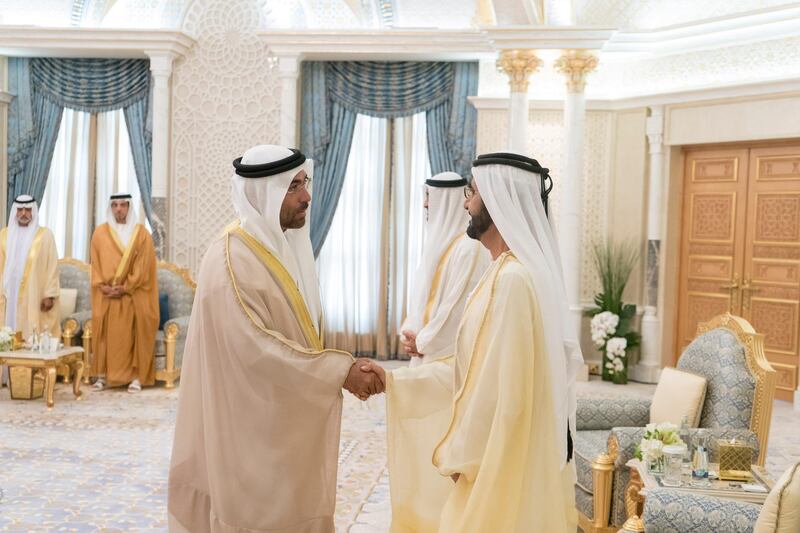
(25, 41)
(76, 14)
(386, 12)
(724, 31)
(398, 45)
(787, 87)
(548, 37)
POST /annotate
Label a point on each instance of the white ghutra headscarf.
(447, 219)
(257, 199)
(125, 230)
(513, 189)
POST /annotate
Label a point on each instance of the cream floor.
(100, 464)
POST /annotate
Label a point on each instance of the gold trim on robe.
(126, 251)
(32, 253)
(437, 278)
(506, 256)
(284, 279)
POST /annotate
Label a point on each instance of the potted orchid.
(650, 448)
(611, 324)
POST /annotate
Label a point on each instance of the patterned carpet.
(100, 464)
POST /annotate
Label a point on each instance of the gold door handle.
(748, 290)
(731, 288)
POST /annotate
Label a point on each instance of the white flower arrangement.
(6, 338)
(603, 326)
(656, 436)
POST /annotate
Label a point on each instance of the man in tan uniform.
(257, 432)
(29, 279)
(124, 300)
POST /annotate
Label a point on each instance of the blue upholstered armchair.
(76, 327)
(178, 285)
(672, 511)
(677, 511)
(738, 403)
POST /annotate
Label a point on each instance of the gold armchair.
(740, 391)
(178, 284)
(75, 274)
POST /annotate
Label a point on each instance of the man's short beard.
(289, 220)
(480, 223)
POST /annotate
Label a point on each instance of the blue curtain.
(43, 87)
(333, 93)
(141, 138)
(452, 124)
(33, 124)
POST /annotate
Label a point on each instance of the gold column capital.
(518, 65)
(575, 65)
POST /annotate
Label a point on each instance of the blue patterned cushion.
(163, 309)
(606, 412)
(584, 502)
(673, 511)
(718, 356)
(588, 445)
(73, 277)
(181, 296)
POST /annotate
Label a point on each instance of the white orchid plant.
(611, 318)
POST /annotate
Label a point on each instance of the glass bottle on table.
(700, 460)
(686, 437)
(44, 343)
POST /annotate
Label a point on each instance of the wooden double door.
(740, 247)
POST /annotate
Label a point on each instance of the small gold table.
(643, 480)
(71, 356)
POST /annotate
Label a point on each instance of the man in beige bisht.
(29, 276)
(451, 266)
(257, 431)
(124, 299)
(508, 446)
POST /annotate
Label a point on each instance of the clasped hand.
(365, 379)
(112, 291)
(409, 341)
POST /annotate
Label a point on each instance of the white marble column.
(575, 65)
(289, 72)
(649, 367)
(518, 65)
(161, 69)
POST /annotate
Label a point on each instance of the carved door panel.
(712, 241)
(771, 278)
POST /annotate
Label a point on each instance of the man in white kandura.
(257, 432)
(29, 277)
(508, 447)
(451, 266)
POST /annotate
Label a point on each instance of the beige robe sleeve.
(47, 285)
(501, 440)
(418, 406)
(461, 273)
(257, 431)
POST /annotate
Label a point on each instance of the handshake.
(365, 379)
